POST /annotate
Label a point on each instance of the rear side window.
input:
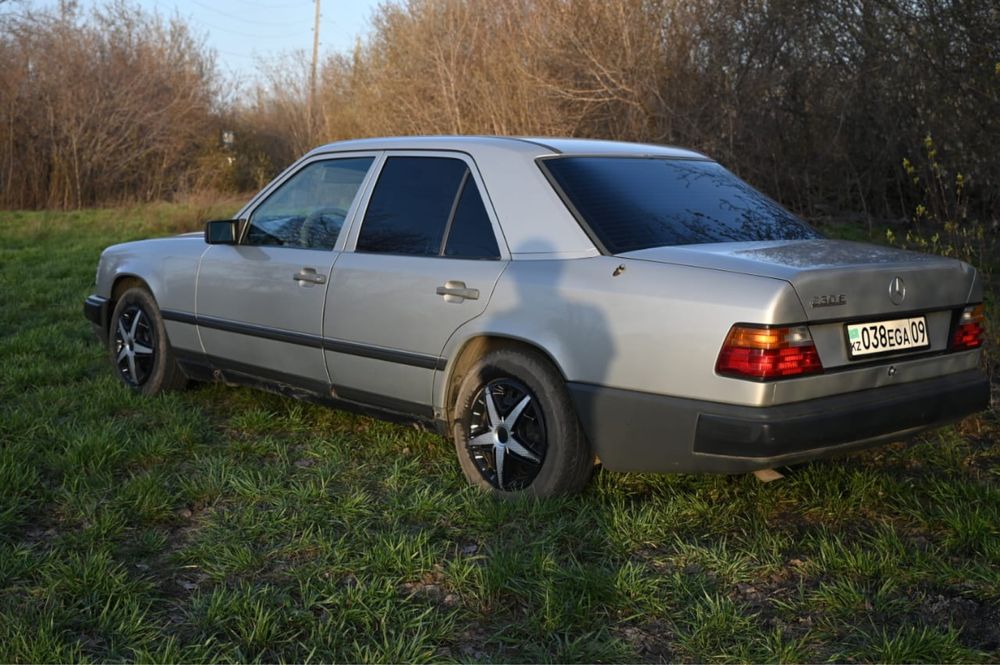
(633, 203)
(427, 206)
(471, 234)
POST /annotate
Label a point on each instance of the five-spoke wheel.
(138, 345)
(515, 429)
(507, 434)
(134, 341)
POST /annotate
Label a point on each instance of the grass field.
(223, 524)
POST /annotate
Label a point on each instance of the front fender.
(168, 267)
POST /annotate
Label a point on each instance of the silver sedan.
(549, 302)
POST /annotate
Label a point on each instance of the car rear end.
(890, 345)
(880, 343)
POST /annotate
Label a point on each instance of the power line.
(248, 35)
(283, 7)
(236, 55)
(246, 20)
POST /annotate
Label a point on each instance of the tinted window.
(634, 203)
(471, 234)
(309, 209)
(411, 205)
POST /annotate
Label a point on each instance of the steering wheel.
(316, 221)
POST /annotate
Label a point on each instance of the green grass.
(224, 524)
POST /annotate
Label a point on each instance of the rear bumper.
(633, 431)
(95, 308)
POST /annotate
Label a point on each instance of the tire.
(532, 428)
(138, 346)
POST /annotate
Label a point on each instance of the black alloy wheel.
(507, 437)
(134, 345)
(138, 346)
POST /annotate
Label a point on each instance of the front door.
(260, 303)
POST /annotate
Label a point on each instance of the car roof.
(536, 145)
(600, 147)
(535, 221)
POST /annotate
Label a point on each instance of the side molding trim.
(208, 368)
(305, 339)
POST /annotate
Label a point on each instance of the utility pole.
(312, 77)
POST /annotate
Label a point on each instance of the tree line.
(116, 107)
(816, 103)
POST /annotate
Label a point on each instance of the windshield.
(631, 203)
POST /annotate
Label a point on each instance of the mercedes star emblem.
(897, 290)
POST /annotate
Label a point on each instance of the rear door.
(260, 303)
(425, 260)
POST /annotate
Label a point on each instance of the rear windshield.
(632, 203)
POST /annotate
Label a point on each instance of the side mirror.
(222, 231)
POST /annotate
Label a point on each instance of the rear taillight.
(970, 331)
(764, 353)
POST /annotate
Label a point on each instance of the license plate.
(865, 339)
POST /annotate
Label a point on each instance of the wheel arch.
(474, 348)
(122, 283)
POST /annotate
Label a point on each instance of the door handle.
(455, 291)
(309, 275)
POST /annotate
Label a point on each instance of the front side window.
(427, 206)
(309, 209)
(632, 203)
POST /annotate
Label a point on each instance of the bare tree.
(816, 103)
(117, 105)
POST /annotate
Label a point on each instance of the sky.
(242, 30)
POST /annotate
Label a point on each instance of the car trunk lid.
(836, 279)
